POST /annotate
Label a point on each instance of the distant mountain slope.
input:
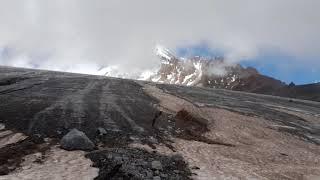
(307, 91)
(217, 73)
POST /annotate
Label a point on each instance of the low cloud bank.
(83, 36)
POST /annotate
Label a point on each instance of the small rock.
(149, 174)
(101, 131)
(164, 175)
(195, 167)
(26, 167)
(110, 156)
(156, 165)
(37, 155)
(141, 162)
(2, 126)
(135, 139)
(177, 158)
(37, 138)
(176, 171)
(153, 140)
(284, 154)
(118, 159)
(11, 168)
(156, 178)
(76, 140)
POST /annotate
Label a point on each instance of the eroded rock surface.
(209, 134)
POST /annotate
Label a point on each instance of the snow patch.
(145, 75)
(186, 78)
(233, 78)
(163, 52)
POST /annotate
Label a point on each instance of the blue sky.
(274, 64)
(285, 68)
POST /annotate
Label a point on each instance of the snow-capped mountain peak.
(212, 72)
(207, 72)
(164, 54)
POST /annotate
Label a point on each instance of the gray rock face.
(76, 140)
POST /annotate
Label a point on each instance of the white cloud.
(124, 32)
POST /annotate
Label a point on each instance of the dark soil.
(191, 127)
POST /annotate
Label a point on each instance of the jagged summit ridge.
(164, 53)
(198, 71)
(216, 72)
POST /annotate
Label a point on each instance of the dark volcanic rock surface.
(131, 163)
(114, 113)
(51, 103)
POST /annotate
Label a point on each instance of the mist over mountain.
(84, 36)
(218, 72)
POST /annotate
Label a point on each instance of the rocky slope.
(217, 73)
(144, 130)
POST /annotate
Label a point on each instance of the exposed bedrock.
(142, 124)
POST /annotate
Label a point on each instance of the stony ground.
(151, 131)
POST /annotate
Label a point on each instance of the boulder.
(76, 140)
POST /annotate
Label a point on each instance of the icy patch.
(145, 75)
(156, 79)
(233, 78)
(190, 83)
(197, 65)
(165, 62)
(114, 71)
(186, 78)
